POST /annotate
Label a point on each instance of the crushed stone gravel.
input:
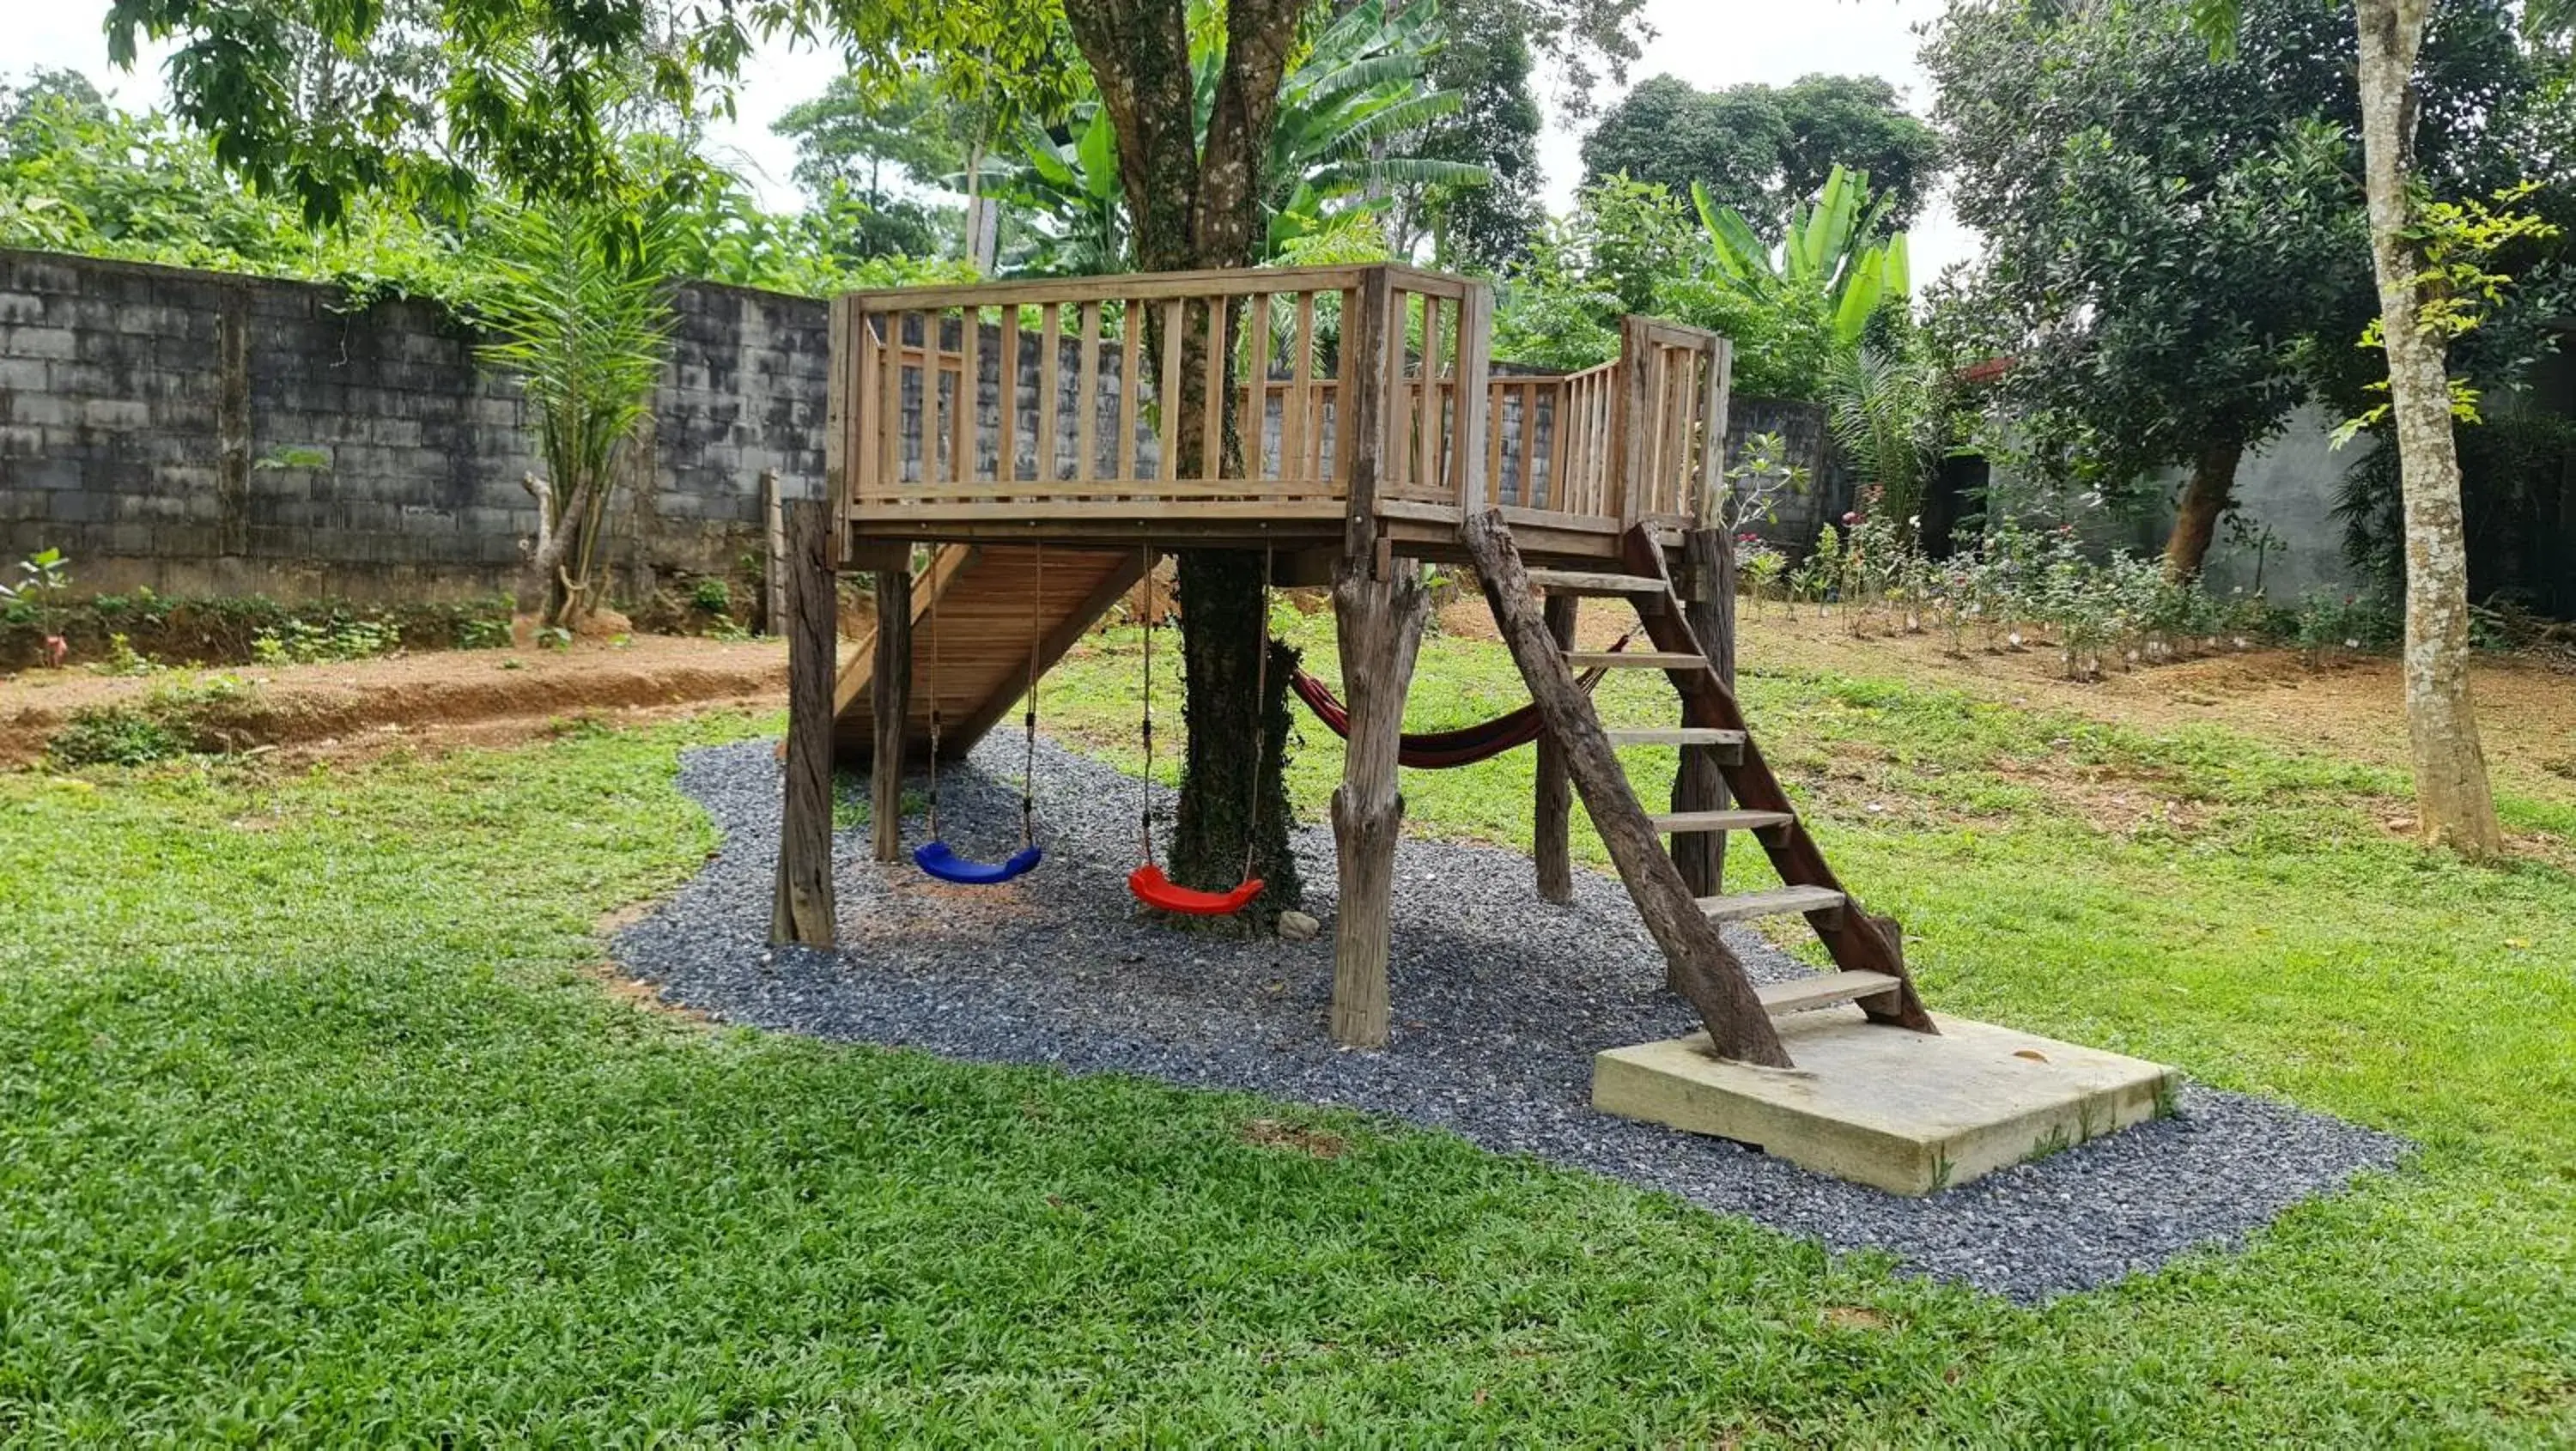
(1500, 1002)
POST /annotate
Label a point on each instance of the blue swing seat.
(936, 859)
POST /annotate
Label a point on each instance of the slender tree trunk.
(2206, 495)
(2453, 802)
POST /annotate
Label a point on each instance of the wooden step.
(1635, 660)
(1783, 998)
(1737, 820)
(1676, 736)
(1585, 582)
(1778, 902)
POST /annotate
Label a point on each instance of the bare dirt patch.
(440, 699)
(1271, 1133)
(2349, 706)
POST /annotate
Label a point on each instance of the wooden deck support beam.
(802, 909)
(1700, 782)
(1552, 826)
(890, 710)
(1378, 609)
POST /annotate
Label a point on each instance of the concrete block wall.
(156, 422)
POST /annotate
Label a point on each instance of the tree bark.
(2208, 494)
(2454, 804)
(1552, 818)
(1699, 782)
(1380, 634)
(802, 909)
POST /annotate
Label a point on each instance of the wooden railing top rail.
(1140, 286)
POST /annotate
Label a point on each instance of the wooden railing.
(1562, 444)
(1093, 402)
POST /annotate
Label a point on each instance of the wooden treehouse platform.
(1007, 459)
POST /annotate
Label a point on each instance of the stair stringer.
(1707, 971)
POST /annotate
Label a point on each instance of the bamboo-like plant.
(579, 304)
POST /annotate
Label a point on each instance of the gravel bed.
(1500, 1001)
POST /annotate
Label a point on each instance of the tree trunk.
(2454, 805)
(2209, 493)
(1200, 208)
(1227, 796)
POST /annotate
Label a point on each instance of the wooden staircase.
(981, 603)
(1865, 949)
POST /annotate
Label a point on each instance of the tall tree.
(1760, 149)
(2455, 805)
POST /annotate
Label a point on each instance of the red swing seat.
(1156, 890)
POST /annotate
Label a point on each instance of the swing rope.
(1147, 882)
(935, 856)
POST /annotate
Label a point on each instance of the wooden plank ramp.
(975, 610)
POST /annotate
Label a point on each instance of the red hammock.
(1439, 750)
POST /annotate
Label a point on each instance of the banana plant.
(1833, 246)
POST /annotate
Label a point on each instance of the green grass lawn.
(320, 1130)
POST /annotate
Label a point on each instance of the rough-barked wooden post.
(890, 705)
(1709, 608)
(1705, 970)
(1700, 782)
(1378, 609)
(802, 909)
(1552, 827)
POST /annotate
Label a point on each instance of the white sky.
(1709, 43)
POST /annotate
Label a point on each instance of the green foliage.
(2456, 246)
(1891, 408)
(181, 717)
(41, 577)
(1628, 247)
(77, 175)
(1836, 251)
(2512, 494)
(1360, 85)
(178, 629)
(1482, 227)
(335, 637)
(1760, 150)
(583, 317)
(2176, 250)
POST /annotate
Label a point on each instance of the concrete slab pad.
(1912, 1113)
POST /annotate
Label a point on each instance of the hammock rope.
(1441, 750)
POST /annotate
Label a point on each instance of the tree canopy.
(1761, 149)
(2176, 254)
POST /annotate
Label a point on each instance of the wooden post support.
(773, 603)
(890, 708)
(1704, 969)
(802, 911)
(1379, 625)
(1700, 783)
(1379, 610)
(1553, 827)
